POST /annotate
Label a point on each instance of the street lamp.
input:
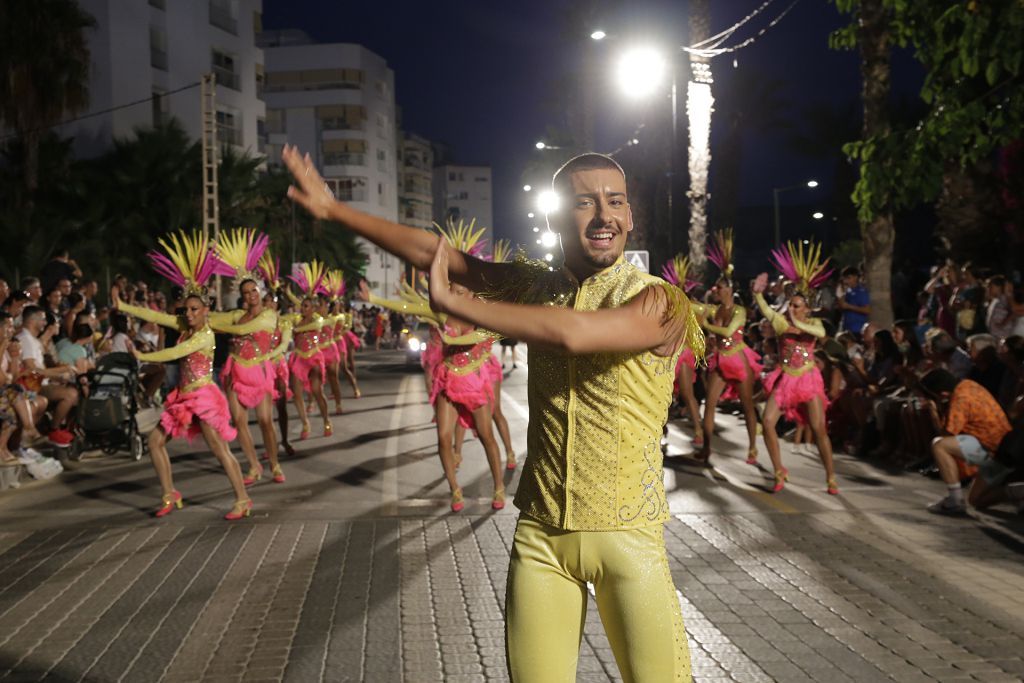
(548, 239)
(547, 202)
(598, 35)
(530, 215)
(527, 188)
(640, 71)
(776, 191)
(817, 215)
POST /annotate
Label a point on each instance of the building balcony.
(228, 79)
(158, 59)
(229, 136)
(344, 159)
(220, 17)
(341, 124)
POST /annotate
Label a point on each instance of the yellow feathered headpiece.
(502, 251)
(270, 270)
(190, 262)
(465, 237)
(334, 283)
(241, 250)
(675, 272)
(309, 277)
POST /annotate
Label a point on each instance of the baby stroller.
(107, 416)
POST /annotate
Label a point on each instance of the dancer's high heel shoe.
(277, 474)
(457, 501)
(304, 434)
(357, 393)
(328, 428)
(510, 462)
(781, 477)
(241, 508)
(253, 475)
(752, 456)
(498, 502)
(289, 450)
(833, 487)
(170, 501)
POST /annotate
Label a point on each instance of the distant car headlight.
(414, 344)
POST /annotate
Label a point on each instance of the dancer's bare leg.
(317, 388)
(282, 416)
(332, 379)
(299, 396)
(482, 418)
(816, 415)
(350, 370)
(771, 439)
(161, 461)
(685, 381)
(716, 385)
(220, 449)
(265, 417)
(458, 441)
(447, 418)
(502, 424)
(240, 416)
(746, 391)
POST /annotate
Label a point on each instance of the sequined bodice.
(327, 333)
(249, 346)
(464, 358)
(594, 438)
(196, 368)
(307, 342)
(731, 344)
(797, 353)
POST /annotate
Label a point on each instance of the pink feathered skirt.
(492, 370)
(792, 393)
(733, 368)
(353, 340)
(183, 411)
(250, 383)
(466, 392)
(282, 374)
(342, 348)
(685, 358)
(301, 367)
(330, 354)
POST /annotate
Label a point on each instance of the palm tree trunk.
(698, 108)
(878, 234)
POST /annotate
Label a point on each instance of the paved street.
(355, 571)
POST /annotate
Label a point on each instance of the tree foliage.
(973, 53)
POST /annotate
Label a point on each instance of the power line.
(727, 33)
(102, 111)
(714, 52)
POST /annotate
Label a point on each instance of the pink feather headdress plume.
(675, 272)
(309, 277)
(334, 284)
(720, 251)
(803, 267)
(190, 262)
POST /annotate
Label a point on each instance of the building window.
(229, 126)
(159, 4)
(223, 66)
(257, 24)
(261, 135)
(381, 199)
(273, 153)
(261, 78)
(451, 175)
(344, 152)
(482, 179)
(348, 188)
(417, 184)
(314, 79)
(277, 120)
(224, 15)
(160, 110)
(341, 117)
(382, 126)
(382, 160)
(454, 213)
(382, 89)
(157, 48)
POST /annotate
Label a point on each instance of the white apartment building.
(415, 193)
(148, 48)
(463, 192)
(337, 101)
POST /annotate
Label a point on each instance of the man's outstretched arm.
(654, 320)
(412, 245)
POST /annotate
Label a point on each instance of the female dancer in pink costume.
(307, 364)
(352, 344)
(332, 357)
(337, 313)
(197, 405)
(732, 363)
(674, 273)
(248, 375)
(281, 338)
(796, 388)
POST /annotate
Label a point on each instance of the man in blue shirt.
(856, 303)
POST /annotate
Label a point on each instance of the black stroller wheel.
(136, 445)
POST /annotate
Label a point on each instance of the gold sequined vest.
(594, 438)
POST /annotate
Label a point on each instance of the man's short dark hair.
(81, 331)
(589, 161)
(27, 282)
(17, 296)
(938, 381)
(942, 343)
(29, 311)
(850, 270)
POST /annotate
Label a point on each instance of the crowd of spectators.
(941, 393)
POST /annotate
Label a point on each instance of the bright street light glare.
(527, 188)
(548, 239)
(640, 71)
(549, 257)
(530, 215)
(817, 215)
(547, 202)
(538, 241)
(598, 35)
(812, 183)
(536, 229)
(540, 145)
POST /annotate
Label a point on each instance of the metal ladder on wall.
(210, 150)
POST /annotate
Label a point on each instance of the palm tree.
(44, 72)
(698, 109)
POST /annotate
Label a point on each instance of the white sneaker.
(947, 506)
(27, 456)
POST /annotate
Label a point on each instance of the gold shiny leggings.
(546, 603)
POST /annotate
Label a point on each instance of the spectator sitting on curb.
(943, 352)
(973, 428)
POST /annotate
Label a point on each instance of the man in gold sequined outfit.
(604, 342)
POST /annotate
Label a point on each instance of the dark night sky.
(477, 75)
